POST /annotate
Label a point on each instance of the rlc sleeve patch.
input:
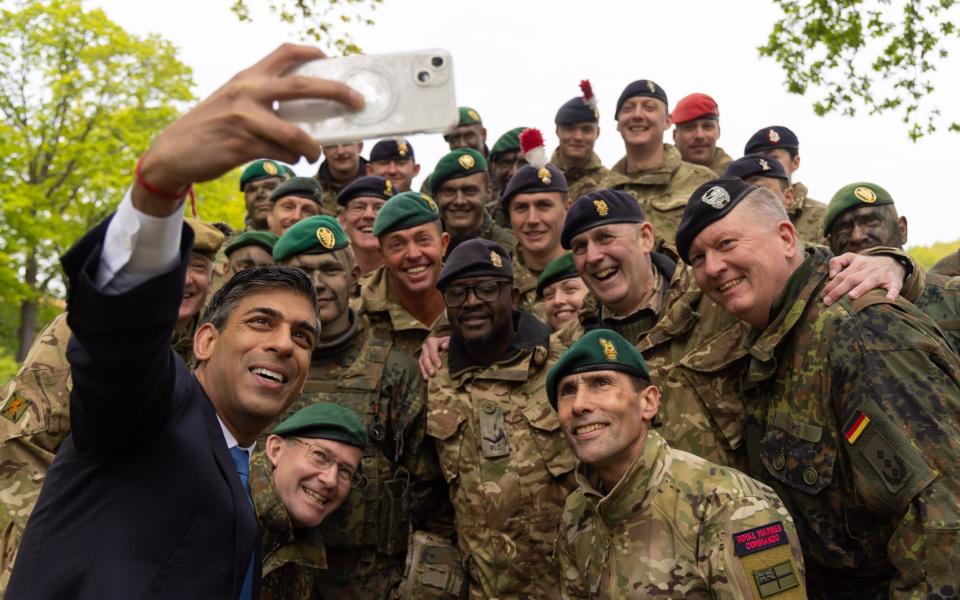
(759, 538)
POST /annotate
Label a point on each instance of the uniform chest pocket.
(553, 447)
(446, 427)
(805, 463)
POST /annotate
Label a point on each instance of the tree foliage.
(326, 22)
(928, 256)
(80, 99)
(881, 55)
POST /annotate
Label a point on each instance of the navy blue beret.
(756, 165)
(369, 186)
(529, 179)
(301, 187)
(640, 87)
(574, 111)
(708, 204)
(476, 257)
(768, 138)
(391, 149)
(599, 207)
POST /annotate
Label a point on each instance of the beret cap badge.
(764, 165)
(773, 136)
(716, 197)
(865, 194)
(602, 208)
(270, 168)
(495, 260)
(544, 175)
(473, 114)
(402, 149)
(388, 188)
(429, 201)
(326, 237)
(609, 350)
(652, 87)
(466, 161)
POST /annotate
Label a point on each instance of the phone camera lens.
(423, 76)
(437, 61)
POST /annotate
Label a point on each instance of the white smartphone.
(405, 92)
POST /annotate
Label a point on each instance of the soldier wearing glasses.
(501, 449)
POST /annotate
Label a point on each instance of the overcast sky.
(516, 62)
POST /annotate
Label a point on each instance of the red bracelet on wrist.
(177, 196)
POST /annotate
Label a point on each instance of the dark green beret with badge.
(598, 350)
(324, 421)
(558, 269)
(404, 211)
(642, 87)
(262, 169)
(508, 142)
(708, 204)
(314, 235)
(301, 187)
(264, 239)
(469, 116)
(455, 164)
(476, 257)
(596, 208)
(854, 195)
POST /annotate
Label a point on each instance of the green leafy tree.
(928, 256)
(326, 22)
(80, 99)
(881, 56)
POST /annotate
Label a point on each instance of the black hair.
(254, 281)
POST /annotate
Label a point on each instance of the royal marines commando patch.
(765, 552)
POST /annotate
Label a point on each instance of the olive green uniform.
(719, 162)
(581, 179)
(380, 306)
(807, 214)
(506, 462)
(940, 301)
(670, 529)
(663, 191)
(852, 414)
(949, 265)
(332, 188)
(489, 230)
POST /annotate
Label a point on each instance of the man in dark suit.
(148, 497)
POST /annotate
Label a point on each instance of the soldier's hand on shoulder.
(855, 275)
(430, 361)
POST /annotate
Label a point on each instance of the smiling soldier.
(577, 130)
(648, 521)
(361, 200)
(257, 182)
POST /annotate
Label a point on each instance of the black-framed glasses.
(322, 461)
(485, 291)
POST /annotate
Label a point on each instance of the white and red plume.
(532, 147)
(588, 98)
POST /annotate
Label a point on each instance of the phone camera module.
(437, 61)
(423, 76)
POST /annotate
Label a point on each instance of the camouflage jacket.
(720, 161)
(677, 526)
(291, 557)
(662, 192)
(581, 180)
(807, 214)
(332, 188)
(949, 265)
(940, 301)
(852, 414)
(525, 280)
(380, 306)
(489, 230)
(507, 463)
(692, 349)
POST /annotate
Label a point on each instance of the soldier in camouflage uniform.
(852, 411)
(366, 540)
(501, 450)
(696, 129)
(862, 215)
(248, 250)
(400, 301)
(578, 128)
(318, 448)
(648, 521)
(948, 266)
(341, 164)
(36, 402)
(504, 160)
(257, 181)
(805, 213)
(652, 172)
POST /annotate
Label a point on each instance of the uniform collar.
(530, 333)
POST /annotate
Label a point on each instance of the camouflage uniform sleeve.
(572, 583)
(897, 397)
(749, 547)
(913, 281)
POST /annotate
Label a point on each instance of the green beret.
(264, 239)
(508, 142)
(559, 269)
(469, 116)
(458, 163)
(404, 211)
(598, 350)
(261, 169)
(301, 187)
(207, 239)
(855, 195)
(314, 235)
(324, 421)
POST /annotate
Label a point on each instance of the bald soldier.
(401, 301)
(257, 181)
(862, 215)
(367, 541)
(781, 143)
(696, 129)
(394, 160)
(36, 402)
(578, 127)
(499, 442)
(851, 411)
(652, 172)
(648, 521)
(294, 200)
(307, 468)
(461, 186)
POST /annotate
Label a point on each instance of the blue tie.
(241, 461)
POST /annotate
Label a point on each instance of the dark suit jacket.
(143, 499)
